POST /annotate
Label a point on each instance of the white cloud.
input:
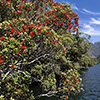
(74, 7)
(95, 21)
(90, 12)
(90, 30)
(88, 27)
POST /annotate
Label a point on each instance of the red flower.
(38, 16)
(29, 8)
(49, 39)
(15, 88)
(21, 2)
(22, 47)
(20, 10)
(26, 27)
(7, 25)
(67, 76)
(64, 50)
(71, 26)
(45, 33)
(30, 26)
(48, 31)
(23, 41)
(31, 34)
(38, 33)
(18, 6)
(68, 90)
(33, 28)
(2, 37)
(44, 3)
(23, 30)
(19, 51)
(23, 25)
(12, 66)
(8, 2)
(75, 80)
(41, 24)
(74, 85)
(59, 24)
(53, 43)
(12, 28)
(10, 35)
(8, 32)
(1, 57)
(39, 29)
(15, 12)
(35, 23)
(77, 34)
(3, 1)
(1, 60)
(48, 20)
(9, 7)
(58, 39)
(65, 80)
(74, 29)
(12, 31)
(7, 82)
(23, 52)
(23, 5)
(56, 42)
(66, 98)
(17, 31)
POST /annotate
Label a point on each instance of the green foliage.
(70, 83)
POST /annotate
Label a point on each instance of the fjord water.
(91, 81)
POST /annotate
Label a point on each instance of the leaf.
(64, 58)
(25, 60)
(12, 98)
(1, 97)
(5, 50)
(73, 88)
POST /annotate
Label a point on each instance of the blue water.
(91, 81)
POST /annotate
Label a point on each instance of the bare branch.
(6, 75)
(28, 63)
(35, 79)
(49, 94)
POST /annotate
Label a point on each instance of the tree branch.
(28, 63)
(49, 94)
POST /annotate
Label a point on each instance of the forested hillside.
(97, 44)
(94, 50)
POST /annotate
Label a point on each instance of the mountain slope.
(97, 44)
(94, 50)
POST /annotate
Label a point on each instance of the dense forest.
(42, 51)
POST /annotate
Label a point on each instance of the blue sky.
(89, 13)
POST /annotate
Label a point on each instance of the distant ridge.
(94, 50)
(97, 44)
